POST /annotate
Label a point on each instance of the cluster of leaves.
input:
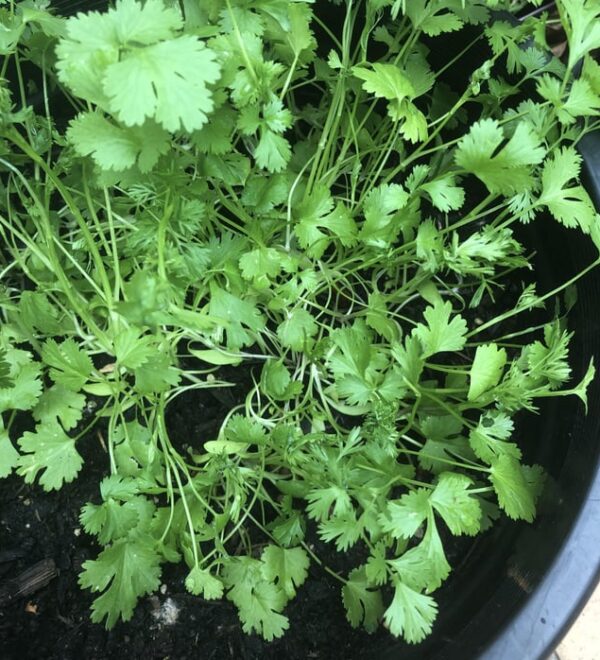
(313, 202)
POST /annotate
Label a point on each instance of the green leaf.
(26, 386)
(451, 499)
(381, 224)
(272, 152)
(515, 495)
(581, 389)
(157, 375)
(288, 568)
(60, 403)
(386, 81)
(216, 357)
(423, 566)
(487, 369)
(9, 456)
(570, 205)
(166, 82)
(363, 603)
(113, 520)
(403, 517)
(259, 601)
(506, 169)
(116, 148)
(326, 502)
(440, 334)
(297, 330)
(410, 614)
(69, 365)
(239, 314)
(488, 438)
(201, 583)
(5, 380)
(132, 349)
(376, 566)
(261, 265)
(125, 571)
(50, 451)
(344, 529)
(337, 223)
(581, 19)
(445, 195)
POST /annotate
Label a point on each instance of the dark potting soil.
(53, 623)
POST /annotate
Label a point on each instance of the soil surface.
(53, 622)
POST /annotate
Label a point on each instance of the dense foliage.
(322, 199)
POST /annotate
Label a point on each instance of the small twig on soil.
(29, 581)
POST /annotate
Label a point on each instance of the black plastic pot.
(521, 586)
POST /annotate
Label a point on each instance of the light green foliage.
(505, 170)
(124, 571)
(50, 451)
(441, 334)
(487, 369)
(312, 250)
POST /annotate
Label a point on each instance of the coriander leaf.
(132, 349)
(582, 25)
(410, 614)
(440, 334)
(515, 494)
(158, 375)
(297, 330)
(50, 450)
(201, 583)
(272, 152)
(60, 403)
(113, 520)
(326, 502)
(423, 566)
(403, 517)
(381, 226)
(489, 438)
(26, 386)
(344, 529)
(36, 312)
(486, 370)
(143, 23)
(548, 361)
(241, 317)
(259, 601)
(410, 358)
(363, 604)
(264, 193)
(9, 456)
(376, 566)
(114, 147)
(5, 380)
(261, 265)
(459, 510)
(338, 224)
(69, 365)
(581, 389)
(288, 568)
(445, 195)
(166, 82)
(386, 81)
(132, 569)
(505, 170)
(570, 205)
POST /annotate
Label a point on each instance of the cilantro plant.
(329, 209)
